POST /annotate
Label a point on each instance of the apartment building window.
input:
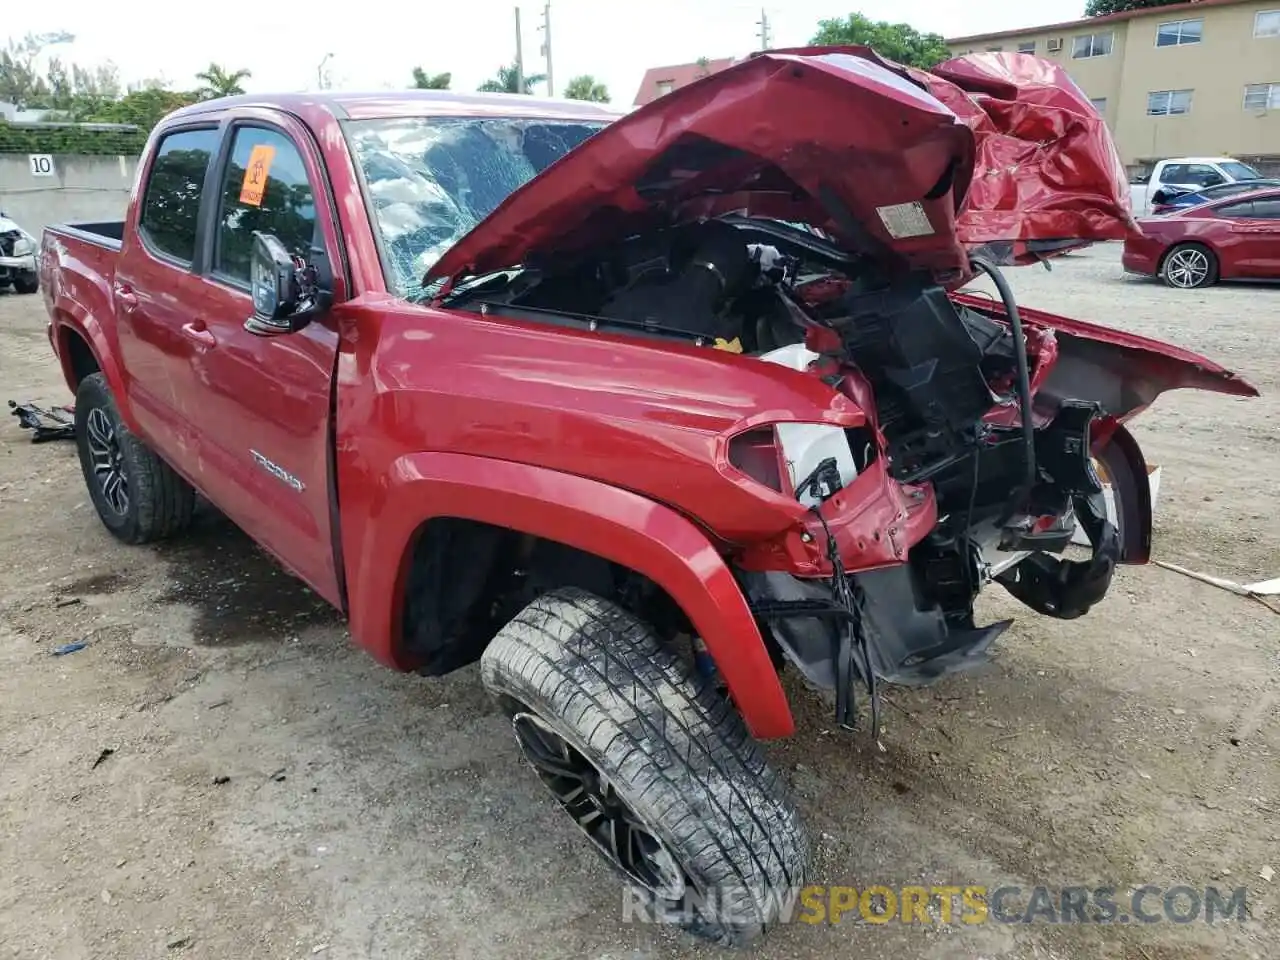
(1028, 47)
(1100, 104)
(1168, 103)
(1267, 23)
(1091, 45)
(665, 87)
(1262, 96)
(994, 49)
(1178, 33)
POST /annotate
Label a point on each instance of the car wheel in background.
(1189, 265)
(27, 283)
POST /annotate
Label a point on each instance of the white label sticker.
(41, 164)
(905, 220)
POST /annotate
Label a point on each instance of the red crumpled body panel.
(1047, 170)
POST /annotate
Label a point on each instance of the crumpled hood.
(910, 168)
(1047, 171)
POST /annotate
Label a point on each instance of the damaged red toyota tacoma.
(637, 410)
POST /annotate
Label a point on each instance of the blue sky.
(375, 45)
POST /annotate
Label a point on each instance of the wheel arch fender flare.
(71, 318)
(612, 523)
(1131, 489)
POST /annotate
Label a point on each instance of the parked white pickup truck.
(1183, 174)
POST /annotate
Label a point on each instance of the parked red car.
(529, 383)
(1233, 239)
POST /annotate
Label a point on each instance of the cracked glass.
(431, 179)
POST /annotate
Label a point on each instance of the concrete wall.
(82, 188)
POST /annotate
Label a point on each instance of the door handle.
(125, 296)
(198, 334)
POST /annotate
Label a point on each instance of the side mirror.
(285, 294)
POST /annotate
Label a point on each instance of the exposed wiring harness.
(851, 649)
(1019, 495)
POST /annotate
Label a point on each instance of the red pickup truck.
(637, 410)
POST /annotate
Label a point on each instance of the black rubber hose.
(1024, 378)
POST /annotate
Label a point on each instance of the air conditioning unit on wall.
(1054, 45)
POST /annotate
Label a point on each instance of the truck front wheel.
(138, 496)
(653, 765)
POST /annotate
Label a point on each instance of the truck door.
(262, 403)
(157, 289)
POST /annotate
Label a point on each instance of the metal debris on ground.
(53, 423)
(1264, 591)
(66, 648)
(106, 752)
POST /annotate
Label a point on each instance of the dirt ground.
(375, 815)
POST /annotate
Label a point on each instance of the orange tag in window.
(254, 184)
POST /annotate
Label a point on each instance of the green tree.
(144, 108)
(1098, 8)
(507, 80)
(219, 82)
(431, 81)
(895, 41)
(586, 87)
(20, 82)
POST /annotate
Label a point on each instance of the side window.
(265, 188)
(1204, 175)
(171, 202)
(1267, 209)
(1174, 173)
(1241, 208)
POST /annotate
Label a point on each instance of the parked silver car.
(18, 257)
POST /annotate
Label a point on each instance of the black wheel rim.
(587, 795)
(108, 460)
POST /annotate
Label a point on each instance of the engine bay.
(950, 392)
(756, 287)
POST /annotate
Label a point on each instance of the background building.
(662, 80)
(1189, 79)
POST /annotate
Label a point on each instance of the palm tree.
(507, 81)
(430, 81)
(218, 82)
(586, 87)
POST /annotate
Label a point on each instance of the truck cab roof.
(407, 103)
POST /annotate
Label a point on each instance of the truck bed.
(79, 259)
(102, 233)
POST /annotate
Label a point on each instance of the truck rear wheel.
(652, 763)
(138, 496)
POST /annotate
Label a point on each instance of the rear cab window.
(168, 223)
(263, 188)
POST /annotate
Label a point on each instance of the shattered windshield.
(431, 179)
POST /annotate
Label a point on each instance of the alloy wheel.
(608, 821)
(1187, 268)
(108, 460)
